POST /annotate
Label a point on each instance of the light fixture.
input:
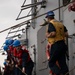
(3, 53)
(19, 35)
(23, 30)
(43, 5)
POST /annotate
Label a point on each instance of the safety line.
(70, 70)
(21, 71)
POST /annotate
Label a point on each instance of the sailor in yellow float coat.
(55, 34)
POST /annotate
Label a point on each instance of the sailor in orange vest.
(9, 49)
(8, 43)
(56, 33)
(22, 59)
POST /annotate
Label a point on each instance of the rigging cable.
(23, 23)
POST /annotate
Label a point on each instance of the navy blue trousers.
(29, 68)
(57, 53)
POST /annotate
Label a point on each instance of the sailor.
(23, 59)
(9, 49)
(56, 33)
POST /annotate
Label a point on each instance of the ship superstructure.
(33, 34)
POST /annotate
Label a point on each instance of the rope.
(70, 70)
(21, 71)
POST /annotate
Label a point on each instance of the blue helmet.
(7, 42)
(5, 48)
(50, 13)
(10, 42)
(16, 43)
(5, 63)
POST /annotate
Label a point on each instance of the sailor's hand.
(47, 34)
(16, 65)
(23, 70)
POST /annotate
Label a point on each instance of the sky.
(9, 10)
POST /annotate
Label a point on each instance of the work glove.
(23, 70)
